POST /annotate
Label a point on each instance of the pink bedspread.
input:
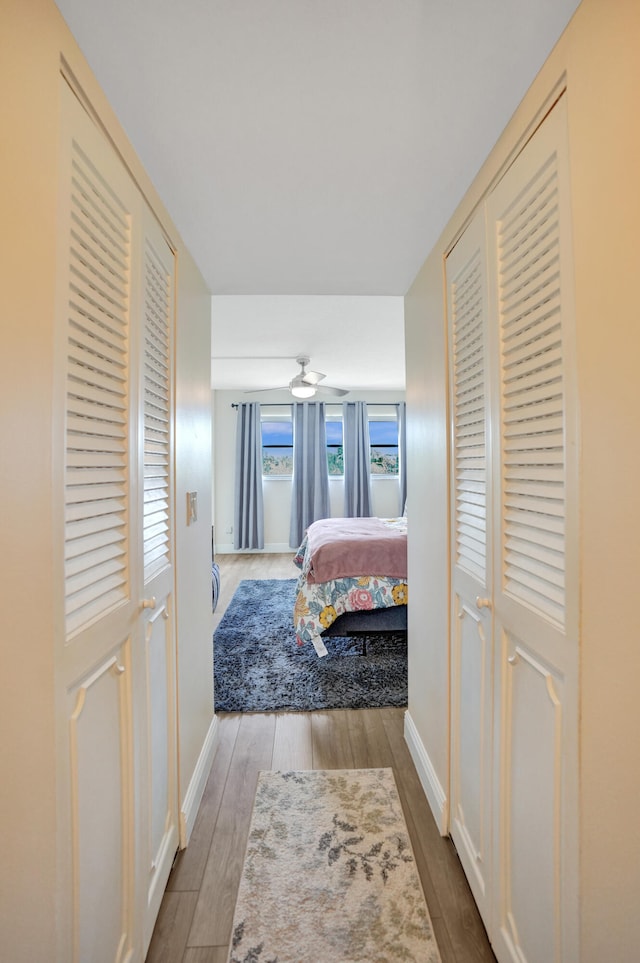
(346, 547)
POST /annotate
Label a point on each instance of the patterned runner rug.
(259, 667)
(329, 874)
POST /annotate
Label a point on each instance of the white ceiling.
(313, 147)
(356, 341)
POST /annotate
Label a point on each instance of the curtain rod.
(275, 404)
(287, 404)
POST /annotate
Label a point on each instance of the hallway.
(195, 919)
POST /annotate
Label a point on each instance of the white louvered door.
(98, 264)
(535, 537)
(115, 664)
(514, 646)
(160, 790)
(471, 576)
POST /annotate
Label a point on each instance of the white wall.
(277, 491)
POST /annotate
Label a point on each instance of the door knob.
(483, 603)
(149, 603)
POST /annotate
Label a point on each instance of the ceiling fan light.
(303, 391)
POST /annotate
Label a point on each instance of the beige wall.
(603, 69)
(33, 38)
(599, 55)
(27, 732)
(193, 542)
(427, 500)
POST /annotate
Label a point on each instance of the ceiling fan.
(307, 383)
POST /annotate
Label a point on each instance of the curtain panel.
(401, 408)
(357, 460)
(310, 488)
(248, 515)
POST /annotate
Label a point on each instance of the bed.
(353, 579)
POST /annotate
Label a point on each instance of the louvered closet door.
(471, 642)
(535, 579)
(158, 692)
(116, 662)
(98, 270)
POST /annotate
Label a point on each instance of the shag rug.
(329, 874)
(258, 665)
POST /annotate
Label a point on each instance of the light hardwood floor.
(194, 923)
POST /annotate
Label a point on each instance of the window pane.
(384, 447)
(335, 459)
(277, 447)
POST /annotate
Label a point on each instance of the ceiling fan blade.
(255, 391)
(304, 380)
(312, 377)
(328, 390)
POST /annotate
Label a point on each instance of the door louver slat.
(86, 345)
(96, 511)
(469, 418)
(532, 417)
(75, 565)
(156, 530)
(82, 315)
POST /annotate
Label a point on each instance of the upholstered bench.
(215, 573)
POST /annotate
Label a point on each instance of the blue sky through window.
(383, 432)
(277, 441)
(278, 433)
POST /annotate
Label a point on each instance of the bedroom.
(341, 335)
(597, 58)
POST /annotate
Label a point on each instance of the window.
(277, 441)
(277, 446)
(383, 436)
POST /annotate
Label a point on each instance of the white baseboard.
(195, 789)
(433, 790)
(226, 548)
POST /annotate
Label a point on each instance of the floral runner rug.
(329, 874)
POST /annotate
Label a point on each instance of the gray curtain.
(310, 490)
(357, 460)
(248, 514)
(402, 452)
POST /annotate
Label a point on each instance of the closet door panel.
(160, 822)
(471, 641)
(99, 718)
(535, 533)
(531, 811)
(471, 746)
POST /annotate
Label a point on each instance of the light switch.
(192, 507)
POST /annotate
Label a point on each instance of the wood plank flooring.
(194, 923)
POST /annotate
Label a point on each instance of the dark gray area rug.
(259, 666)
